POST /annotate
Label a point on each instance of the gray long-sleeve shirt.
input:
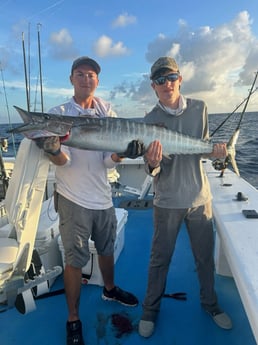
(182, 182)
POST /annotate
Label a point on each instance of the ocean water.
(246, 148)
(247, 144)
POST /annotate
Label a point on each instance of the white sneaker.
(146, 328)
(222, 320)
(218, 316)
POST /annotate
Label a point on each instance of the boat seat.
(23, 203)
(6, 229)
(8, 250)
(8, 254)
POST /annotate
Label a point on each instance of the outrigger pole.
(40, 70)
(26, 74)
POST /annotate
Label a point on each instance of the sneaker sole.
(105, 298)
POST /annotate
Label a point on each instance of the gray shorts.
(77, 224)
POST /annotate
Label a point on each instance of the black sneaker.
(121, 296)
(74, 333)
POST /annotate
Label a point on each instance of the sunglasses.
(171, 77)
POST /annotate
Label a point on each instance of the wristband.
(154, 171)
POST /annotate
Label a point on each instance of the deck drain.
(136, 204)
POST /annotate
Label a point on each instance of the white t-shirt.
(83, 180)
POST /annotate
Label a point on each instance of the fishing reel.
(219, 164)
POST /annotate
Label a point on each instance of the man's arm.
(52, 147)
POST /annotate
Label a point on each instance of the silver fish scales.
(113, 134)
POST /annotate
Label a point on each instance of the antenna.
(40, 71)
(26, 74)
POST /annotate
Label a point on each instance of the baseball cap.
(164, 62)
(85, 60)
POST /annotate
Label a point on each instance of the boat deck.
(179, 322)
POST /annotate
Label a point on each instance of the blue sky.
(215, 44)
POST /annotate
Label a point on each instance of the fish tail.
(231, 158)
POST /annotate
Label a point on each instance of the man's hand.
(134, 149)
(50, 145)
(219, 151)
(153, 154)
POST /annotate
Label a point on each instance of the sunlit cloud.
(214, 61)
(104, 47)
(62, 45)
(124, 20)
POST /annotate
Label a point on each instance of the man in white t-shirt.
(84, 198)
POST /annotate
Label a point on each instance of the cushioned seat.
(8, 253)
(22, 203)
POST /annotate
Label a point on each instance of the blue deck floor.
(179, 322)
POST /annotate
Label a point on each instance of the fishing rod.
(7, 107)
(222, 123)
(222, 165)
(4, 180)
(247, 100)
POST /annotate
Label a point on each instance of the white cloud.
(104, 47)
(61, 37)
(123, 20)
(214, 61)
(62, 45)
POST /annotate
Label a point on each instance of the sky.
(214, 42)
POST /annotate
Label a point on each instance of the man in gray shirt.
(181, 193)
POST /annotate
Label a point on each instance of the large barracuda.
(113, 134)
